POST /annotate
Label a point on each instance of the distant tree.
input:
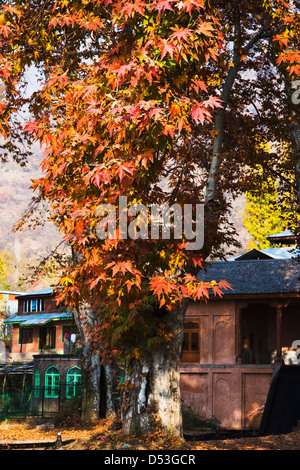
(262, 217)
(271, 205)
(16, 272)
(3, 283)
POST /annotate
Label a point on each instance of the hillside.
(32, 245)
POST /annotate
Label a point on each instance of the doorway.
(47, 337)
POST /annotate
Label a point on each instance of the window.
(37, 382)
(25, 335)
(41, 305)
(73, 388)
(191, 342)
(33, 305)
(52, 382)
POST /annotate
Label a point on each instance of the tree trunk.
(219, 129)
(109, 403)
(92, 369)
(91, 373)
(152, 385)
(219, 122)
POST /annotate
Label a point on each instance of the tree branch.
(263, 33)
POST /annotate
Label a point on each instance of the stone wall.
(235, 395)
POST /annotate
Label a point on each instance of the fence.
(38, 401)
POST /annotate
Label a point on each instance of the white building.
(8, 299)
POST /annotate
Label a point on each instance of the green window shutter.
(52, 382)
(73, 387)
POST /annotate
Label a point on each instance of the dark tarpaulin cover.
(282, 408)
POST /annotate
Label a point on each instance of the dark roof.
(252, 254)
(268, 276)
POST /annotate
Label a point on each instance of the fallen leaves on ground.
(100, 436)
(27, 432)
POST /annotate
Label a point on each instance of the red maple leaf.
(180, 33)
(166, 48)
(163, 5)
(199, 114)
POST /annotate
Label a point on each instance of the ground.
(100, 436)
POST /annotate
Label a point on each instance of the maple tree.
(161, 102)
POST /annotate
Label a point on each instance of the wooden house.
(233, 344)
(40, 326)
(45, 336)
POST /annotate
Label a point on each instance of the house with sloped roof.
(283, 246)
(44, 335)
(40, 326)
(284, 252)
(287, 237)
(232, 345)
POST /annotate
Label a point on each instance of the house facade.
(40, 326)
(45, 336)
(9, 301)
(232, 345)
(8, 306)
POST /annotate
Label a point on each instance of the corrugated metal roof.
(16, 368)
(46, 291)
(285, 233)
(284, 252)
(38, 318)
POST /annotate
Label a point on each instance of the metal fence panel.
(3, 407)
(37, 401)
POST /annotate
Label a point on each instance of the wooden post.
(4, 383)
(238, 327)
(278, 329)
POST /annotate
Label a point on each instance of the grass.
(193, 419)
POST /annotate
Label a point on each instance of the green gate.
(15, 405)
